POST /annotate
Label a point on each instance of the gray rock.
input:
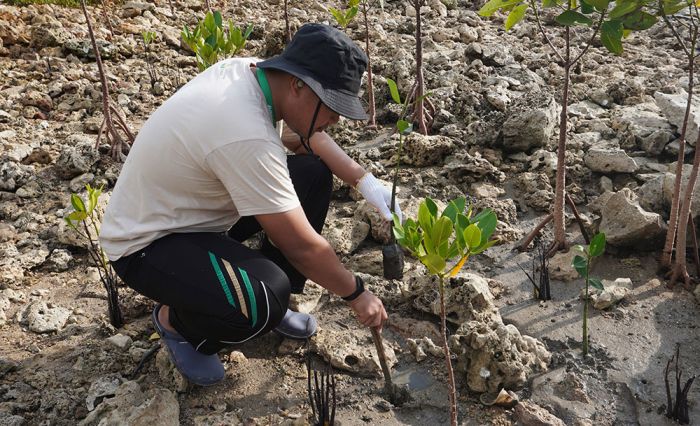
(586, 109)
(346, 234)
(536, 190)
(130, 405)
(609, 160)
(626, 224)
(495, 356)
(49, 36)
(468, 296)
(464, 167)
(424, 151)
(531, 121)
(352, 352)
(673, 107)
(76, 159)
(13, 175)
(59, 260)
(83, 48)
(102, 387)
(611, 295)
(121, 341)
(77, 184)
(560, 266)
(656, 193)
(40, 318)
(637, 124)
(8, 419)
(565, 392)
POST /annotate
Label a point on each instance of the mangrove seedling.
(540, 270)
(211, 41)
(571, 15)
(424, 110)
(438, 238)
(677, 411)
(85, 219)
(149, 37)
(582, 264)
(118, 146)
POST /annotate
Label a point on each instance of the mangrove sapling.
(119, 146)
(582, 264)
(148, 37)
(392, 255)
(677, 411)
(211, 42)
(85, 219)
(436, 239)
(540, 269)
(372, 113)
(287, 30)
(571, 15)
(424, 110)
(685, 29)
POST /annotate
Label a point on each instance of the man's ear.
(296, 85)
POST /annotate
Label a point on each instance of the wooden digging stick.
(379, 343)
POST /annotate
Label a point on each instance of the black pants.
(221, 292)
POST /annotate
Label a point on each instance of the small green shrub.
(85, 220)
(211, 42)
(344, 17)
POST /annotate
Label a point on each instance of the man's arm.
(325, 147)
(314, 257)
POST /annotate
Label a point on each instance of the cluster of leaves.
(344, 17)
(436, 238)
(211, 42)
(582, 263)
(85, 219)
(624, 17)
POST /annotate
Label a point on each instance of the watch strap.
(359, 289)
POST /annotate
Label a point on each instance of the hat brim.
(345, 104)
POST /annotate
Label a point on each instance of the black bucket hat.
(329, 63)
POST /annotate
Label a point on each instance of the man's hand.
(379, 196)
(369, 309)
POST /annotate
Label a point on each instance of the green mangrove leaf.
(472, 236)
(516, 15)
(596, 283)
(623, 7)
(492, 6)
(394, 90)
(597, 246)
(434, 263)
(432, 207)
(611, 36)
(639, 21)
(572, 17)
(579, 263)
(77, 203)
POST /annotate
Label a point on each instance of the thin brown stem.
(448, 359)
(531, 236)
(590, 41)
(533, 5)
(418, 114)
(372, 121)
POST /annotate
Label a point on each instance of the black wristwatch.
(359, 289)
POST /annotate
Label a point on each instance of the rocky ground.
(497, 97)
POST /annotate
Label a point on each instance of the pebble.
(121, 341)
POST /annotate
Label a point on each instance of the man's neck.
(277, 85)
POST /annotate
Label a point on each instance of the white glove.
(378, 195)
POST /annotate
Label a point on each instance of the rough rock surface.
(626, 224)
(350, 352)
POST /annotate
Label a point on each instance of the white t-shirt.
(206, 157)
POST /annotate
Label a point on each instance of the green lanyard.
(265, 86)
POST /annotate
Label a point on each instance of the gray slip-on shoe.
(297, 325)
(198, 368)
